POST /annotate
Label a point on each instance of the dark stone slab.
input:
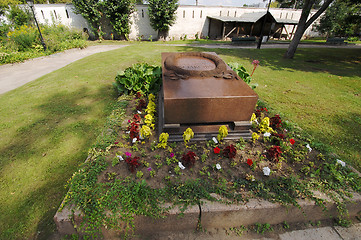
(200, 91)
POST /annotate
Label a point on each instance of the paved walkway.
(15, 75)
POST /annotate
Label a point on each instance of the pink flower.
(249, 162)
(149, 169)
(171, 155)
(129, 121)
(128, 154)
(255, 62)
(216, 150)
(116, 142)
(292, 141)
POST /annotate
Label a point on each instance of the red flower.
(216, 150)
(116, 142)
(292, 141)
(249, 162)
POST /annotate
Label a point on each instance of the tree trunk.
(303, 24)
(163, 34)
(301, 27)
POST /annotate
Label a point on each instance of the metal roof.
(252, 18)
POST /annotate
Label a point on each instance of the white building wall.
(191, 20)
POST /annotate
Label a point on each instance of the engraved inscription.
(201, 64)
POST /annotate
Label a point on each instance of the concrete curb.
(218, 215)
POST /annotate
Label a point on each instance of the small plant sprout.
(145, 132)
(222, 132)
(188, 135)
(139, 174)
(177, 170)
(163, 140)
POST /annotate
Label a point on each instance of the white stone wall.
(191, 20)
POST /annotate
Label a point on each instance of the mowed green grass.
(48, 125)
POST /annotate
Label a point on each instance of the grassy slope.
(48, 125)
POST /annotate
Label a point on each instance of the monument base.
(202, 131)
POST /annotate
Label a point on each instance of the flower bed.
(133, 172)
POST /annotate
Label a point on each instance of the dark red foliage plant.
(138, 95)
(133, 130)
(136, 118)
(274, 152)
(141, 104)
(189, 159)
(229, 151)
(275, 122)
(132, 163)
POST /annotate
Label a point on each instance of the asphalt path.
(15, 75)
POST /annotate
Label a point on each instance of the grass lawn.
(48, 125)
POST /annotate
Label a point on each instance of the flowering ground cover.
(129, 160)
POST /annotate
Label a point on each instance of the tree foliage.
(297, 4)
(342, 18)
(162, 15)
(117, 11)
(19, 16)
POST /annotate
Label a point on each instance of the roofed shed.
(248, 24)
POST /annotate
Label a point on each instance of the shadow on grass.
(59, 116)
(340, 62)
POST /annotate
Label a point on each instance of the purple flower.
(128, 154)
(149, 169)
(171, 155)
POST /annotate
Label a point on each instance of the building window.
(66, 12)
(292, 16)
(193, 14)
(56, 17)
(280, 15)
(286, 15)
(184, 13)
(142, 13)
(42, 13)
(201, 14)
(220, 13)
(228, 14)
(235, 13)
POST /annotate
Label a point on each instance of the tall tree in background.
(5, 4)
(90, 10)
(162, 15)
(296, 4)
(303, 24)
(118, 12)
(342, 18)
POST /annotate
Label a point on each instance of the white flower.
(218, 166)
(266, 171)
(120, 158)
(141, 137)
(308, 147)
(134, 140)
(127, 132)
(267, 134)
(341, 162)
(139, 112)
(215, 140)
(180, 165)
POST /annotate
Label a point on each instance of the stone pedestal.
(200, 91)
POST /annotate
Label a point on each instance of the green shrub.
(19, 16)
(24, 37)
(139, 78)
